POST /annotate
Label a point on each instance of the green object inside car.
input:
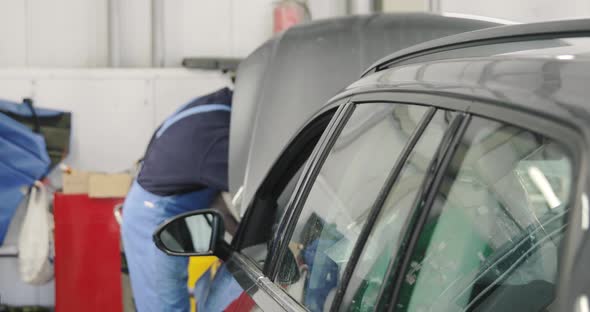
(439, 253)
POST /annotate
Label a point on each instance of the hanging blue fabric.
(54, 125)
(24, 111)
(23, 160)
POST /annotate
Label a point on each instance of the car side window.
(491, 239)
(342, 194)
(387, 232)
(259, 224)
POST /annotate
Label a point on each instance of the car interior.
(496, 226)
(272, 197)
(515, 218)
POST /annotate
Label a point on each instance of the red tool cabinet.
(87, 255)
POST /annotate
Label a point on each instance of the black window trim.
(262, 277)
(567, 134)
(261, 289)
(238, 240)
(377, 206)
(397, 272)
(574, 138)
(317, 158)
(400, 260)
(551, 126)
(305, 184)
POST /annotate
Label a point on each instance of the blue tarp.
(24, 111)
(23, 159)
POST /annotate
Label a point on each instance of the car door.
(490, 234)
(329, 229)
(226, 287)
(469, 214)
(485, 230)
(359, 156)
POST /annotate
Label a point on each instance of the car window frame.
(564, 133)
(394, 176)
(428, 200)
(379, 202)
(254, 280)
(561, 131)
(279, 167)
(298, 200)
(422, 204)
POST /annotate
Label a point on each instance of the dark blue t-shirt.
(189, 151)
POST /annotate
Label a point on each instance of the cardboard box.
(75, 182)
(109, 185)
(97, 185)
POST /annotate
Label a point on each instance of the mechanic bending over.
(184, 168)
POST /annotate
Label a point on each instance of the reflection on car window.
(258, 252)
(342, 194)
(366, 281)
(491, 239)
(271, 199)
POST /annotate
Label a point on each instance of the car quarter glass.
(258, 252)
(340, 198)
(272, 197)
(367, 278)
(492, 237)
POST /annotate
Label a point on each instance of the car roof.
(511, 33)
(281, 85)
(543, 73)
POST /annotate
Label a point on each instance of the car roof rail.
(499, 34)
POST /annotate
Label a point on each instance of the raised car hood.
(290, 77)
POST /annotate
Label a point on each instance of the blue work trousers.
(158, 281)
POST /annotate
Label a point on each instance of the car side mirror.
(196, 233)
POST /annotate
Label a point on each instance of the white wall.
(18, 293)
(13, 33)
(114, 112)
(53, 33)
(229, 28)
(320, 9)
(52, 51)
(130, 33)
(406, 5)
(77, 33)
(80, 33)
(520, 11)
